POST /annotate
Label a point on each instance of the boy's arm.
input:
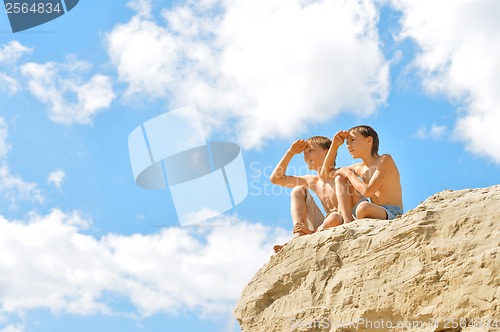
(278, 176)
(329, 162)
(384, 167)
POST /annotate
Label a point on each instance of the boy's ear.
(369, 139)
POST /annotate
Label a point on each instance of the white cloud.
(270, 68)
(9, 84)
(176, 270)
(56, 178)
(435, 132)
(11, 53)
(459, 58)
(12, 186)
(142, 7)
(69, 97)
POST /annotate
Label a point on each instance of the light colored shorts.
(314, 216)
(392, 211)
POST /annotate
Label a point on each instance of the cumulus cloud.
(459, 58)
(62, 86)
(56, 178)
(12, 186)
(176, 270)
(142, 7)
(267, 67)
(11, 53)
(9, 84)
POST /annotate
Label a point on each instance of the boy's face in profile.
(358, 145)
(314, 155)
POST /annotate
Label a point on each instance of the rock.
(437, 268)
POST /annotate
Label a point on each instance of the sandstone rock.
(437, 268)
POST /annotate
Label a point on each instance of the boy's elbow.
(367, 193)
(274, 179)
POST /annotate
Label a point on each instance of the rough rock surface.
(437, 268)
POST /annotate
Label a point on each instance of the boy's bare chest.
(323, 189)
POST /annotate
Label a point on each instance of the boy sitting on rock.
(307, 218)
(376, 177)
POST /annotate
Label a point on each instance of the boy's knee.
(340, 180)
(363, 210)
(299, 192)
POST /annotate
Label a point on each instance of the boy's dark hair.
(322, 141)
(368, 131)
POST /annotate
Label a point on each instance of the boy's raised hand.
(339, 138)
(298, 146)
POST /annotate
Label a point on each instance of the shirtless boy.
(376, 177)
(307, 218)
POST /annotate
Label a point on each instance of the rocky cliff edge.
(437, 268)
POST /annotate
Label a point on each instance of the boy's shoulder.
(386, 162)
(386, 158)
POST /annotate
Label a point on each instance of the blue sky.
(83, 248)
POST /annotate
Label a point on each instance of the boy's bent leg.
(356, 200)
(298, 209)
(370, 210)
(303, 211)
(344, 197)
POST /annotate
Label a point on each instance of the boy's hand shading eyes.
(298, 146)
(339, 138)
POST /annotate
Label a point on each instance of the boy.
(307, 218)
(376, 177)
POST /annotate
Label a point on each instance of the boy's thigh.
(370, 210)
(356, 201)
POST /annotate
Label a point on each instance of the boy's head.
(367, 132)
(321, 141)
(315, 154)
